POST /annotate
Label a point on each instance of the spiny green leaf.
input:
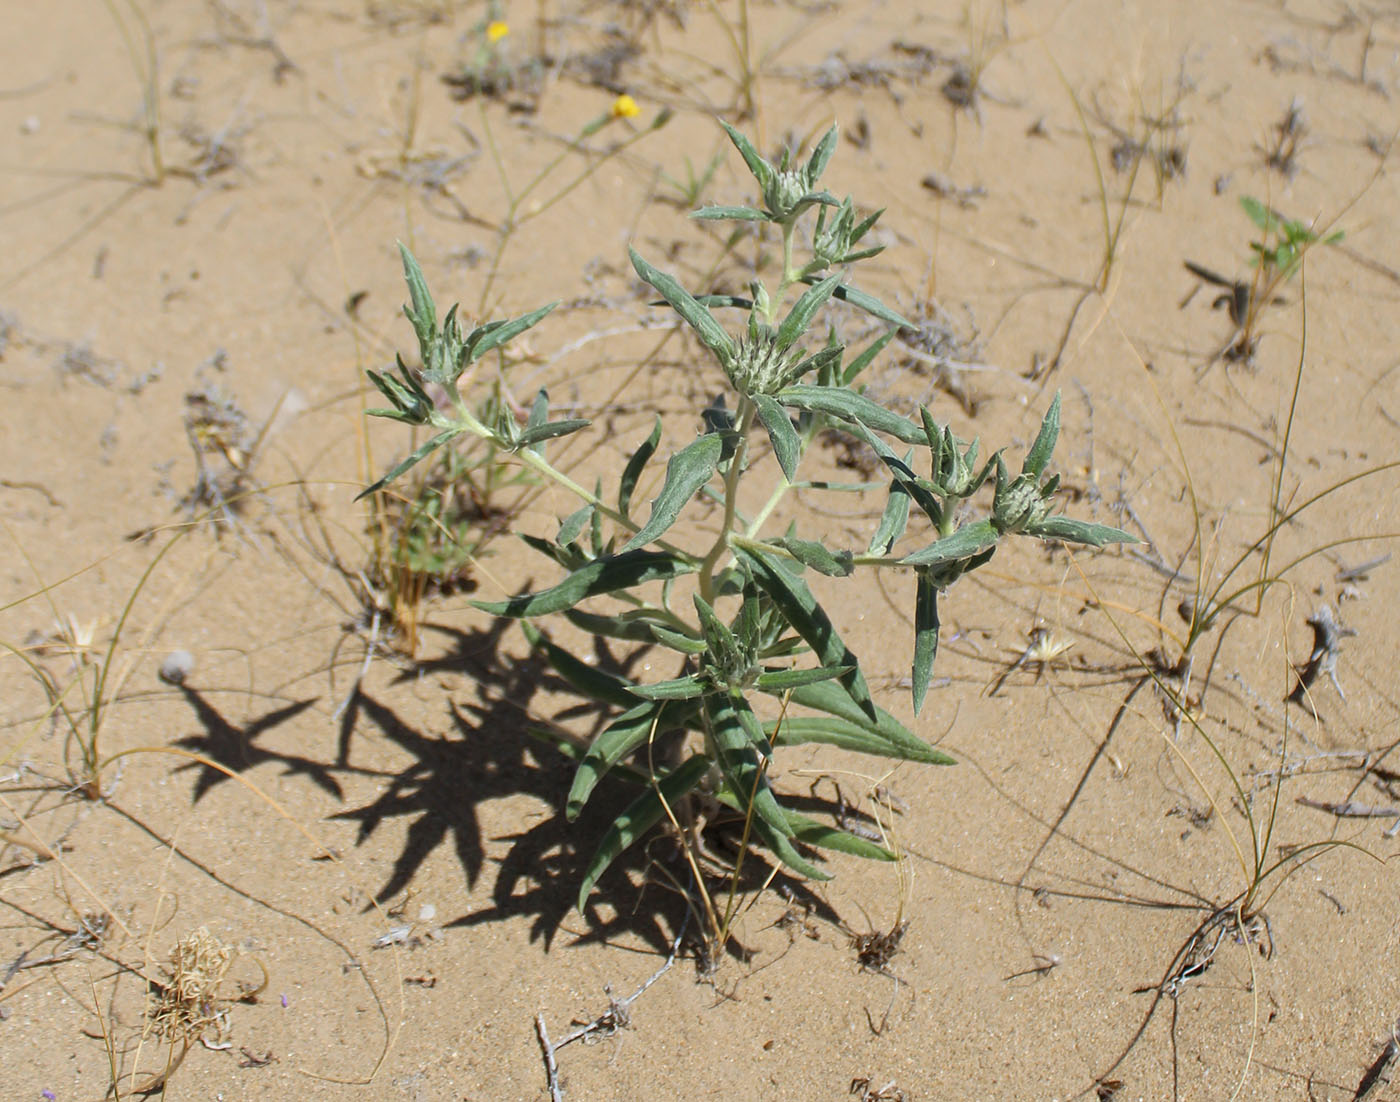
(497, 333)
(738, 756)
(817, 163)
(779, 681)
(970, 539)
(925, 635)
(894, 740)
(1038, 458)
(869, 303)
(592, 682)
(801, 610)
(787, 446)
(894, 520)
(600, 576)
(847, 405)
(834, 564)
(1079, 531)
(738, 214)
(761, 169)
(630, 473)
(419, 453)
(688, 470)
(422, 314)
(818, 835)
(540, 433)
(677, 688)
(639, 817)
(710, 332)
(804, 310)
(861, 362)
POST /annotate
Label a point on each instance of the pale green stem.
(746, 414)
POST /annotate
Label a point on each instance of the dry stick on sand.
(1327, 640)
(618, 1016)
(1378, 1075)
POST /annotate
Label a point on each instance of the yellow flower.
(497, 30)
(625, 107)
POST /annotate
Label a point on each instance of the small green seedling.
(760, 665)
(1277, 256)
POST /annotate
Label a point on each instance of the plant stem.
(746, 412)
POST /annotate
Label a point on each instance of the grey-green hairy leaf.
(834, 564)
(1079, 531)
(710, 332)
(600, 576)
(635, 465)
(787, 445)
(638, 817)
(925, 635)
(970, 539)
(807, 617)
(419, 453)
(847, 405)
(688, 470)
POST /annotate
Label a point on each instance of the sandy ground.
(1063, 884)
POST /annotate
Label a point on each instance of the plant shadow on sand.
(486, 756)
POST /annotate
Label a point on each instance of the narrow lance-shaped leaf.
(804, 310)
(710, 332)
(404, 464)
(779, 681)
(780, 844)
(540, 433)
(421, 314)
(1038, 458)
(812, 833)
(761, 169)
(633, 471)
(850, 406)
(572, 525)
(925, 635)
(829, 731)
(600, 576)
(688, 470)
(1078, 531)
(861, 362)
(639, 817)
(894, 520)
(834, 564)
(800, 608)
(970, 539)
(739, 757)
(869, 303)
(592, 682)
(497, 333)
(616, 741)
(787, 446)
(738, 214)
(817, 163)
(678, 688)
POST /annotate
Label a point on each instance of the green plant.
(734, 607)
(1277, 257)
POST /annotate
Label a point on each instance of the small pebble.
(30, 125)
(427, 913)
(178, 666)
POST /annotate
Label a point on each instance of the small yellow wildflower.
(625, 107)
(496, 30)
